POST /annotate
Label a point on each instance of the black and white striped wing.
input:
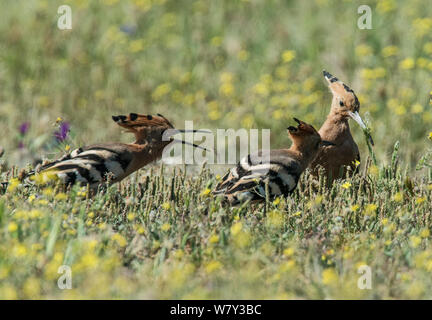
(91, 165)
(247, 181)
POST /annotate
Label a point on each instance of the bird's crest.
(134, 121)
(157, 128)
(303, 128)
(344, 94)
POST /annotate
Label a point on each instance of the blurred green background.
(223, 64)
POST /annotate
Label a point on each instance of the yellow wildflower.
(205, 192)
(288, 56)
(32, 288)
(179, 254)
(329, 276)
(242, 239)
(213, 266)
(236, 228)
(346, 185)
(61, 196)
(136, 45)
(415, 290)
(166, 206)
(214, 239)
(424, 233)
(48, 191)
(389, 51)
(385, 6)
(398, 197)
(287, 266)
(216, 41)
(422, 26)
(417, 108)
(355, 207)
(12, 227)
(356, 163)
(13, 184)
(415, 241)
(420, 200)
(373, 170)
(407, 64)
(275, 219)
(370, 209)
(131, 216)
(119, 239)
(19, 250)
(363, 50)
(161, 91)
(226, 89)
(140, 230)
(166, 227)
(288, 252)
(44, 177)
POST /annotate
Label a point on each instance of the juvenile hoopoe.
(344, 151)
(96, 164)
(281, 169)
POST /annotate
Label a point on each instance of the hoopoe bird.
(278, 169)
(97, 164)
(344, 152)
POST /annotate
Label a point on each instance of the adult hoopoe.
(99, 163)
(344, 151)
(280, 169)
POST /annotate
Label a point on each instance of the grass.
(166, 237)
(223, 64)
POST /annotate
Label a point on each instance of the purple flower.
(62, 132)
(128, 29)
(21, 145)
(24, 127)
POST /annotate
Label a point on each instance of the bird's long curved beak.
(167, 136)
(171, 132)
(191, 144)
(327, 143)
(356, 117)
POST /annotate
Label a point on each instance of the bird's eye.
(341, 103)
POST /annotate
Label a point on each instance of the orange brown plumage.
(344, 153)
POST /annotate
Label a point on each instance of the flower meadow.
(160, 234)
